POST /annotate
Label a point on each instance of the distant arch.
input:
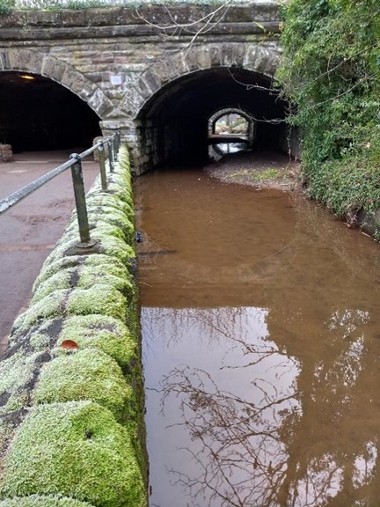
(231, 110)
(34, 62)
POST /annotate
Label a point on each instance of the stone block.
(215, 55)
(238, 55)
(227, 55)
(203, 58)
(74, 17)
(43, 18)
(6, 154)
(53, 68)
(100, 103)
(26, 60)
(4, 60)
(152, 79)
(257, 58)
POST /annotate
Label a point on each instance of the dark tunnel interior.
(175, 121)
(37, 114)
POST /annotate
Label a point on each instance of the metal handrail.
(75, 163)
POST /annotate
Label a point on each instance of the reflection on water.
(262, 367)
(221, 407)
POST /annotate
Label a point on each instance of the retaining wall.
(71, 388)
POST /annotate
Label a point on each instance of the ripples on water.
(261, 339)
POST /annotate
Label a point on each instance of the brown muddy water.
(261, 343)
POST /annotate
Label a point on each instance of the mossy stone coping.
(75, 449)
(43, 501)
(72, 417)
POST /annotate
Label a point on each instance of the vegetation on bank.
(331, 74)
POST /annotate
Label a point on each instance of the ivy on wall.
(6, 6)
(331, 73)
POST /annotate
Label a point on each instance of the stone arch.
(34, 62)
(155, 142)
(215, 151)
(259, 58)
(231, 110)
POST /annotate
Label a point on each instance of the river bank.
(261, 169)
(271, 170)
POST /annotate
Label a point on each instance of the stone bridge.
(157, 73)
(71, 393)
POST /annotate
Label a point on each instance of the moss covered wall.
(71, 388)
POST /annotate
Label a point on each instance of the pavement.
(29, 230)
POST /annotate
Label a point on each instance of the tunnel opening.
(174, 125)
(230, 131)
(38, 114)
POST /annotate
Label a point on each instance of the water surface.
(261, 340)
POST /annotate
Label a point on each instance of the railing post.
(117, 143)
(110, 154)
(80, 199)
(102, 165)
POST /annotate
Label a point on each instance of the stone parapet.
(141, 18)
(71, 388)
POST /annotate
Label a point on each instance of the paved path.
(29, 230)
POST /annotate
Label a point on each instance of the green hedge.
(331, 74)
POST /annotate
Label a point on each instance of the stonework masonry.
(117, 59)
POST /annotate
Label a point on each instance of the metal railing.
(106, 148)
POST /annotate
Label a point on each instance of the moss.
(124, 160)
(51, 306)
(109, 245)
(75, 449)
(122, 201)
(107, 229)
(17, 376)
(109, 274)
(43, 501)
(84, 375)
(53, 266)
(38, 337)
(6, 435)
(111, 201)
(121, 177)
(101, 299)
(39, 341)
(102, 332)
(115, 247)
(112, 215)
(110, 220)
(90, 331)
(85, 277)
(121, 188)
(59, 281)
(8, 426)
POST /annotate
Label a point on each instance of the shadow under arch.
(171, 101)
(43, 64)
(46, 104)
(172, 128)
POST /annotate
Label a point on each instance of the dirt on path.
(264, 169)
